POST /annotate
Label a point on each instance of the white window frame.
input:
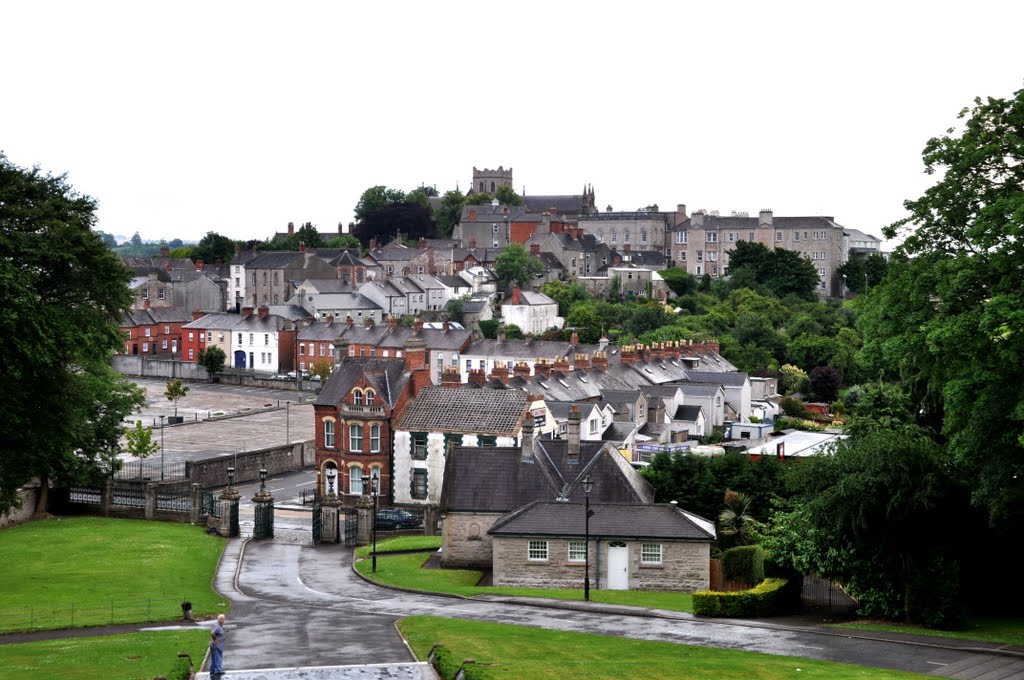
(651, 553)
(712, 237)
(355, 434)
(329, 434)
(537, 551)
(577, 551)
(374, 438)
(355, 486)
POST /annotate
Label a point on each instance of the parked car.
(397, 519)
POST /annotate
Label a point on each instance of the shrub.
(447, 666)
(794, 408)
(744, 563)
(769, 598)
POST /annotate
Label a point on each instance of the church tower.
(487, 181)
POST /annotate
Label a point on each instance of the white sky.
(239, 117)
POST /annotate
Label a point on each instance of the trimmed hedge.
(447, 666)
(768, 598)
(744, 563)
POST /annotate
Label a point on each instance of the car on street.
(397, 519)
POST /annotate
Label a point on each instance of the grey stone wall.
(277, 459)
(465, 543)
(137, 365)
(685, 567)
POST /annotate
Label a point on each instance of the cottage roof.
(609, 520)
(447, 409)
(724, 378)
(688, 414)
(388, 376)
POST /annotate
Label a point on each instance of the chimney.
(197, 314)
(472, 217)
(302, 246)
(450, 377)
(697, 219)
(422, 245)
(348, 321)
(542, 368)
(340, 229)
(330, 319)
(291, 228)
(535, 248)
(145, 303)
(628, 355)
(246, 312)
(373, 244)
(417, 324)
(262, 312)
(477, 377)
(561, 364)
(218, 262)
(340, 350)
(416, 363)
(572, 449)
(581, 361)
(574, 340)
(765, 218)
(600, 360)
(515, 294)
(499, 371)
(521, 370)
(392, 321)
(200, 264)
(526, 437)
(165, 251)
(370, 323)
(445, 326)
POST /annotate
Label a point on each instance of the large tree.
(64, 293)
(406, 219)
(213, 247)
(375, 198)
(783, 272)
(516, 264)
(949, 318)
(450, 212)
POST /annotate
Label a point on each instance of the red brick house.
(154, 332)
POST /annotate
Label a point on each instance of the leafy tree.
(646, 318)
(808, 351)
(185, 252)
(406, 218)
(450, 212)
(566, 294)
(375, 198)
(489, 328)
(454, 308)
(175, 243)
(792, 379)
(64, 293)
(344, 242)
(212, 359)
(516, 264)
(429, 190)
(421, 197)
(108, 239)
(947, 320)
(479, 199)
(321, 368)
(506, 195)
(736, 526)
(213, 247)
(825, 383)
(586, 318)
(139, 441)
(175, 391)
(511, 331)
(679, 281)
(136, 240)
(783, 272)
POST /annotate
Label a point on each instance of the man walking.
(217, 648)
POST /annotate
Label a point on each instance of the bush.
(447, 666)
(769, 598)
(794, 408)
(744, 563)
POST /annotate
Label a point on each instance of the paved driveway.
(299, 605)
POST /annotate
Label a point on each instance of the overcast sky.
(186, 117)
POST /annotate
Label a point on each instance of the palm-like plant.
(735, 523)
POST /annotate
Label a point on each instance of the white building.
(532, 312)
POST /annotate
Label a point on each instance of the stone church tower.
(487, 181)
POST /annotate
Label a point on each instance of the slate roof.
(322, 331)
(453, 281)
(220, 321)
(446, 409)
(695, 389)
(155, 315)
(559, 203)
(726, 378)
(529, 298)
(688, 413)
(388, 376)
(609, 520)
(290, 312)
(520, 349)
(618, 432)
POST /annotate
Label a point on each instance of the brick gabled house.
(354, 415)
(154, 331)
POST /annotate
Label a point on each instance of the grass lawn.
(401, 543)
(87, 571)
(138, 655)
(1004, 630)
(507, 651)
(405, 571)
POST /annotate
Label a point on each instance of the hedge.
(768, 598)
(744, 563)
(447, 666)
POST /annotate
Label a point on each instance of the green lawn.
(135, 656)
(87, 571)
(405, 571)
(507, 651)
(402, 543)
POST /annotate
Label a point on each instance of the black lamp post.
(588, 485)
(263, 479)
(162, 448)
(375, 488)
(231, 476)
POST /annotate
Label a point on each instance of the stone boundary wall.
(14, 516)
(143, 367)
(277, 459)
(466, 543)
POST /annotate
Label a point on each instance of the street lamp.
(231, 476)
(588, 485)
(375, 489)
(162, 448)
(287, 423)
(263, 479)
(332, 474)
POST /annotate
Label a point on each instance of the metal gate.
(318, 520)
(351, 528)
(235, 530)
(264, 527)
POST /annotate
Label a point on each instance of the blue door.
(239, 359)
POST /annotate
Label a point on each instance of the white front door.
(618, 566)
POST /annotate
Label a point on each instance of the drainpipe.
(597, 566)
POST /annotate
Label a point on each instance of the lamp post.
(162, 448)
(287, 423)
(263, 479)
(231, 476)
(375, 489)
(332, 474)
(588, 485)
(844, 286)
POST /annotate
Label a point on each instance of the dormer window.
(357, 397)
(369, 397)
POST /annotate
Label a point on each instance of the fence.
(150, 469)
(83, 614)
(822, 593)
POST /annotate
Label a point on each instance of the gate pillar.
(329, 519)
(227, 526)
(364, 513)
(264, 507)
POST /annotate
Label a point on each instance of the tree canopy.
(783, 272)
(213, 247)
(507, 195)
(64, 294)
(407, 218)
(516, 264)
(375, 198)
(450, 212)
